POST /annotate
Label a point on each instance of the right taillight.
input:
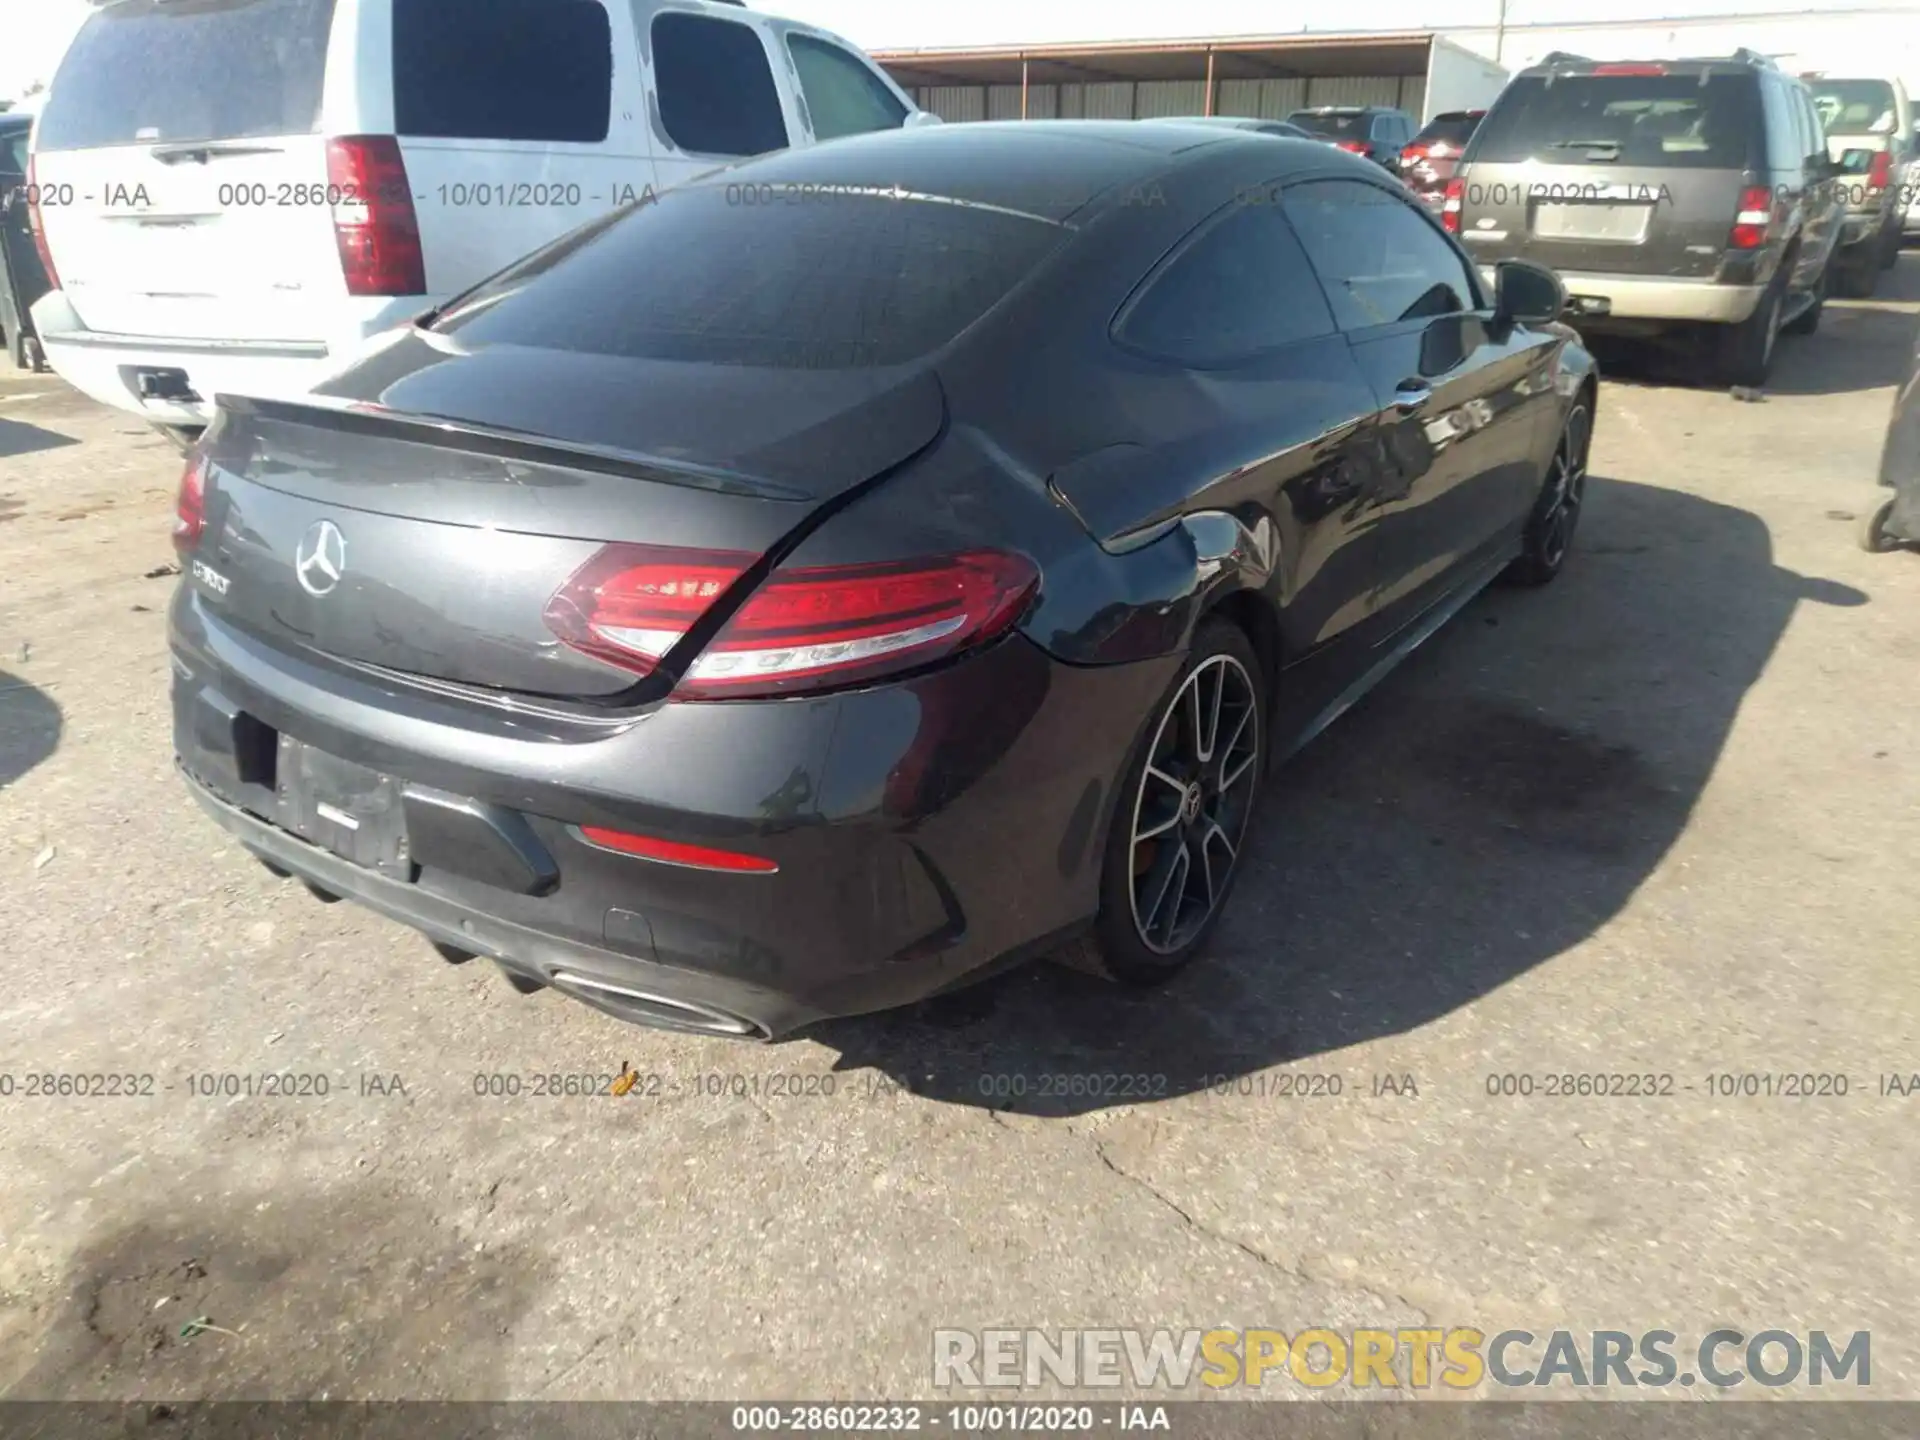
(190, 508)
(807, 628)
(374, 223)
(38, 226)
(1450, 205)
(1753, 220)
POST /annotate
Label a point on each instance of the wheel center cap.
(1190, 804)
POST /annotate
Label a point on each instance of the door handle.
(1411, 395)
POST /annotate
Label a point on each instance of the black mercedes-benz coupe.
(873, 564)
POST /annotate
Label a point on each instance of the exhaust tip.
(645, 1008)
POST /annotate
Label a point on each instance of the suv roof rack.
(1563, 57)
(1742, 56)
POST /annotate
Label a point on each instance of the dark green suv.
(1668, 194)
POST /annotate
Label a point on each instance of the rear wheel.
(32, 356)
(1181, 815)
(1871, 529)
(1857, 271)
(1746, 349)
(1808, 320)
(1549, 533)
(1890, 245)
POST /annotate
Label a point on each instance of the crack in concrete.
(1292, 1269)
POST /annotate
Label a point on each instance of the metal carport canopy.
(1214, 73)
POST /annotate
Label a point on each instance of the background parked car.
(1375, 131)
(235, 195)
(1666, 193)
(1254, 123)
(1428, 160)
(1868, 125)
(23, 276)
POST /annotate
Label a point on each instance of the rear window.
(1854, 107)
(1347, 127)
(159, 71)
(502, 69)
(1455, 130)
(1703, 122)
(705, 276)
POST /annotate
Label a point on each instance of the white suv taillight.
(1450, 205)
(38, 226)
(373, 216)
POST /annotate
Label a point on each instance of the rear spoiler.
(359, 417)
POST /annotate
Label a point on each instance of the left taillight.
(190, 508)
(1880, 171)
(1352, 147)
(1753, 220)
(374, 224)
(803, 629)
(38, 225)
(1450, 205)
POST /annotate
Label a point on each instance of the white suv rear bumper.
(105, 367)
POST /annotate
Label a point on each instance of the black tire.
(1856, 271)
(1871, 529)
(1808, 320)
(1890, 245)
(1548, 538)
(34, 355)
(1221, 682)
(1745, 351)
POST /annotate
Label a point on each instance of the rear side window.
(151, 72)
(717, 95)
(1241, 288)
(856, 281)
(502, 69)
(1381, 261)
(1854, 107)
(843, 96)
(1683, 121)
(13, 152)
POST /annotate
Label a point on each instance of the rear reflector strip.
(672, 852)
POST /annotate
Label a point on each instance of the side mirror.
(918, 118)
(1527, 294)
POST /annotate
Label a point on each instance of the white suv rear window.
(146, 72)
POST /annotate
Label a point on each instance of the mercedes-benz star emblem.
(321, 559)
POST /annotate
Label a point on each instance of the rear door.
(1628, 170)
(189, 135)
(1461, 405)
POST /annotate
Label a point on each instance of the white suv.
(234, 194)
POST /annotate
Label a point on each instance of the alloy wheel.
(1196, 793)
(1566, 490)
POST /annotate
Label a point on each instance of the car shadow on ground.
(19, 438)
(29, 727)
(1493, 803)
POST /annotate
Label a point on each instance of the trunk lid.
(179, 147)
(442, 536)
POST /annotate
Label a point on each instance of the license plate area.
(343, 807)
(1621, 224)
